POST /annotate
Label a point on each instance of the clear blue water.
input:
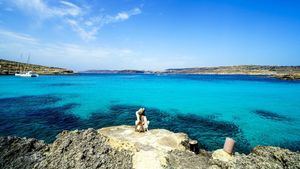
(254, 110)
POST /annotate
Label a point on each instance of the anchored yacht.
(28, 73)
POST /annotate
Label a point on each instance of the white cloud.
(87, 27)
(83, 33)
(85, 56)
(121, 16)
(72, 9)
(17, 36)
(43, 10)
(75, 56)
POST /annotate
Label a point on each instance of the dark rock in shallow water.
(209, 132)
(271, 115)
(8, 105)
(36, 116)
(291, 145)
(55, 116)
(46, 119)
(39, 118)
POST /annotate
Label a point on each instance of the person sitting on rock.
(141, 123)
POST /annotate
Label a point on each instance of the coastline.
(280, 72)
(283, 77)
(8, 67)
(121, 147)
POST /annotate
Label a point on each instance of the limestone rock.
(220, 154)
(263, 157)
(150, 148)
(188, 160)
(18, 152)
(84, 149)
(122, 147)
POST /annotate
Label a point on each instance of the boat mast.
(20, 63)
(28, 59)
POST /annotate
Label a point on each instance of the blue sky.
(150, 34)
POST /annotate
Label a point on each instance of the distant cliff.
(11, 67)
(118, 71)
(282, 72)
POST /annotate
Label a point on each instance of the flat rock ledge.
(122, 147)
(150, 149)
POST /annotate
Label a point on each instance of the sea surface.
(254, 110)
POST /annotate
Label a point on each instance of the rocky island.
(122, 147)
(118, 71)
(11, 67)
(280, 72)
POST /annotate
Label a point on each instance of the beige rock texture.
(220, 154)
(120, 147)
(150, 148)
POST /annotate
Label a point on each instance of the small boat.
(27, 74)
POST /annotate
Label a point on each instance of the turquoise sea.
(254, 110)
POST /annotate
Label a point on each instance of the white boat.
(27, 74)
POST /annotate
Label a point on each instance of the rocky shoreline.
(11, 67)
(122, 147)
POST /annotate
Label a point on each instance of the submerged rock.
(122, 147)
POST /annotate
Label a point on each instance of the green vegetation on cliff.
(11, 67)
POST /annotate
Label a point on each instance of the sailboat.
(26, 74)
